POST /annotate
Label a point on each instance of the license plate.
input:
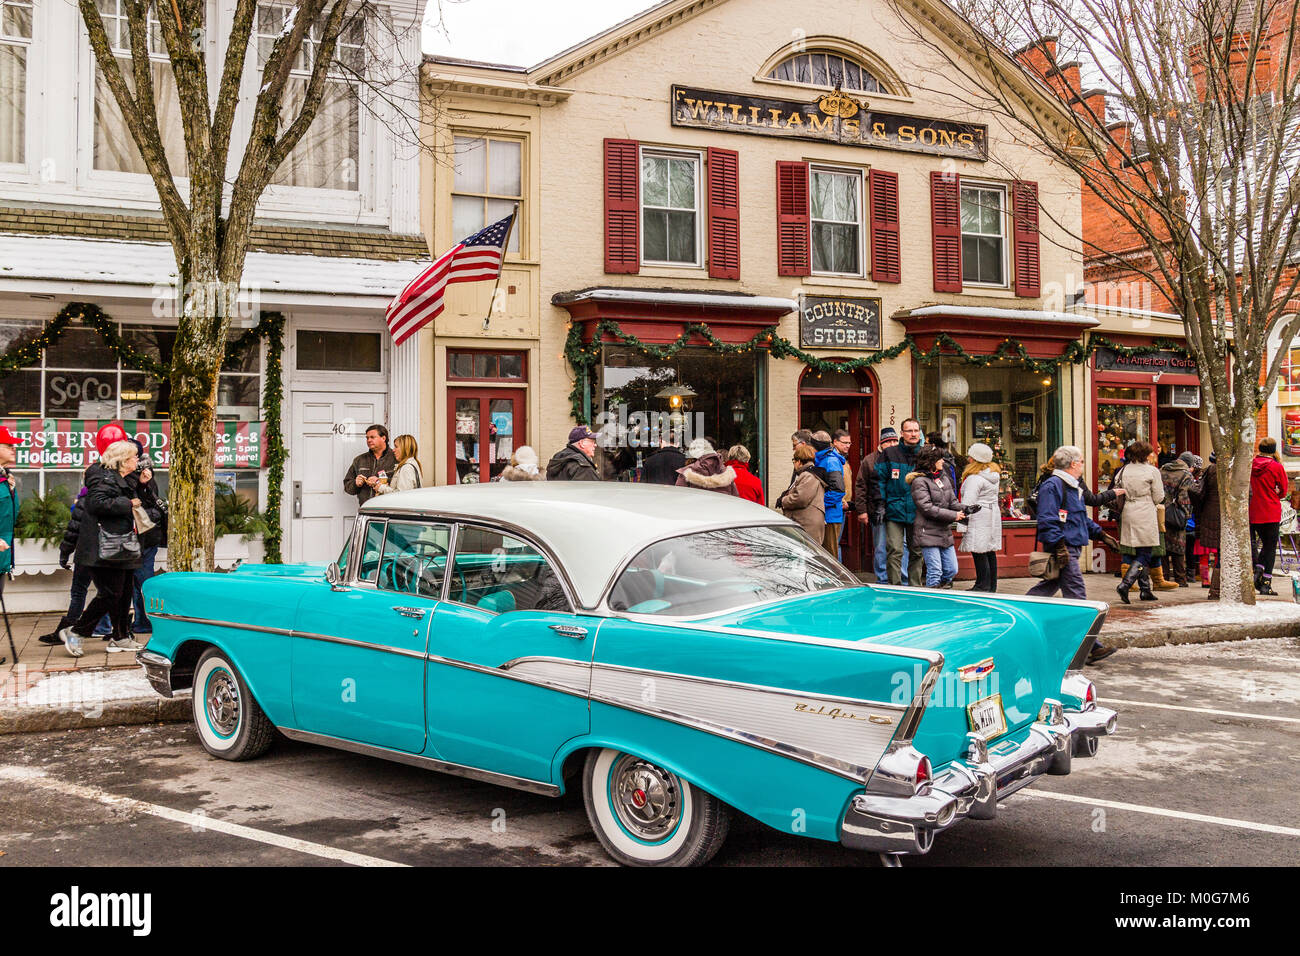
(986, 717)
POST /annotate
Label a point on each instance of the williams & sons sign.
(835, 117)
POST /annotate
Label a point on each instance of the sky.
(519, 32)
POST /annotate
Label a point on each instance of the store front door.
(329, 430)
(487, 424)
(826, 406)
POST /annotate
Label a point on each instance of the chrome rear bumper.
(972, 787)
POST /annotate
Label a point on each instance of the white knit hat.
(524, 455)
(980, 452)
(698, 448)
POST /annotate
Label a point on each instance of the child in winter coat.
(983, 538)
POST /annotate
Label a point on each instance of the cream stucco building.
(697, 165)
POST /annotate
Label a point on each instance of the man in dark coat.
(892, 495)
(1205, 504)
(864, 501)
(661, 465)
(363, 476)
(576, 460)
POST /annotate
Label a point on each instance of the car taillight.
(1090, 697)
(922, 772)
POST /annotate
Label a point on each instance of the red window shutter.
(724, 214)
(792, 220)
(622, 206)
(1024, 204)
(886, 259)
(945, 228)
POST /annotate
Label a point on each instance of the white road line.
(1199, 710)
(198, 821)
(1158, 812)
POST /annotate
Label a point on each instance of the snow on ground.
(86, 690)
(1212, 614)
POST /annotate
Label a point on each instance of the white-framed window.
(670, 208)
(835, 203)
(983, 234)
(826, 68)
(114, 148)
(487, 183)
(329, 154)
(16, 19)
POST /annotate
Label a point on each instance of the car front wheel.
(645, 815)
(230, 723)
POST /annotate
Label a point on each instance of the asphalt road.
(1209, 778)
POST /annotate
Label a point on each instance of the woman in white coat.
(407, 475)
(983, 538)
(1140, 526)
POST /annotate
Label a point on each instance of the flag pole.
(514, 216)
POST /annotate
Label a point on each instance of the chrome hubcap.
(647, 798)
(223, 703)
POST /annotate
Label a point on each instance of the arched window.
(826, 68)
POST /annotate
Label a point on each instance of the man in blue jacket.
(892, 495)
(830, 458)
(1064, 528)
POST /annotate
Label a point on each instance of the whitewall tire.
(230, 723)
(645, 815)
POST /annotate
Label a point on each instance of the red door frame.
(863, 432)
(519, 399)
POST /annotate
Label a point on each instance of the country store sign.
(835, 117)
(70, 442)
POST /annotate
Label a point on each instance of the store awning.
(980, 330)
(660, 316)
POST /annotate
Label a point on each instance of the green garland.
(276, 453)
(270, 326)
(583, 355)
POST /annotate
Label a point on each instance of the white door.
(329, 430)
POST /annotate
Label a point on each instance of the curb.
(1208, 634)
(113, 713)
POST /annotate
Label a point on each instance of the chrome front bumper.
(972, 787)
(158, 670)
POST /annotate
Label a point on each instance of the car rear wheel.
(645, 815)
(230, 723)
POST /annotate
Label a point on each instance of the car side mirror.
(334, 576)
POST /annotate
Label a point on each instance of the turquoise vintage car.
(677, 654)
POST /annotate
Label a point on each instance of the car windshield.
(716, 570)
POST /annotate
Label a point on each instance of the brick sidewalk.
(41, 658)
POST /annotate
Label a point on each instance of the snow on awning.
(982, 330)
(986, 312)
(141, 267)
(661, 316)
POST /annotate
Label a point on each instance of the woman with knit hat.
(523, 466)
(983, 538)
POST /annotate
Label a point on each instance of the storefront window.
(1117, 425)
(1012, 409)
(80, 380)
(696, 394)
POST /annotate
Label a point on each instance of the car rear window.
(716, 570)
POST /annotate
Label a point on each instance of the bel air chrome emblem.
(973, 672)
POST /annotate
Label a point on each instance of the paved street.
(1203, 771)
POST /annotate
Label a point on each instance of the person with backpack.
(1179, 482)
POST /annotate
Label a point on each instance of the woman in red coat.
(747, 482)
(1268, 483)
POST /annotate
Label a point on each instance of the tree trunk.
(1237, 571)
(196, 366)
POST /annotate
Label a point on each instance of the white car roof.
(591, 527)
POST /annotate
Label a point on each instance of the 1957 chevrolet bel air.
(677, 654)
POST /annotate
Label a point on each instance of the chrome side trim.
(822, 762)
(742, 685)
(157, 670)
(382, 648)
(930, 657)
(283, 631)
(916, 709)
(521, 677)
(428, 763)
(1085, 647)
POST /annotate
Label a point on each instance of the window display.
(1117, 425)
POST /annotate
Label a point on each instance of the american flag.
(471, 260)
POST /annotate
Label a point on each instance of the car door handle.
(415, 612)
(570, 630)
